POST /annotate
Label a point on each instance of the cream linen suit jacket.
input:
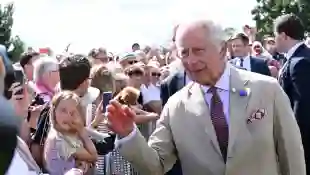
(269, 146)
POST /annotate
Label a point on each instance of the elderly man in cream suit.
(226, 122)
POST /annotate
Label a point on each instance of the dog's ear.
(118, 98)
(128, 96)
(131, 95)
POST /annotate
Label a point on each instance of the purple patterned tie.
(219, 121)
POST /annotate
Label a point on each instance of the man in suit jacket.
(173, 83)
(227, 121)
(294, 76)
(243, 60)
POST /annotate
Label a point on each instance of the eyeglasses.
(136, 73)
(155, 74)
(132, 62)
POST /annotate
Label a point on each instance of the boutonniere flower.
(242, 92)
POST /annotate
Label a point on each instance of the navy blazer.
(168, 87)
(171, 85)
(257, 65)
(296, 83)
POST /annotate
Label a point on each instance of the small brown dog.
(128, 96)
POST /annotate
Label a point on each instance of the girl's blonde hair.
(64, 95)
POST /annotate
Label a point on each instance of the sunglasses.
(132, 62)
(155, 74)
(136, 73)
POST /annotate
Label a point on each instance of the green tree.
(266, 11)
(18, 47)
(230, 31)
(14, 44)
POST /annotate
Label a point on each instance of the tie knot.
(212, 90)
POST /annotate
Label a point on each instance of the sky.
(116, 24)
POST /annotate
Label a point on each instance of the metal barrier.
(115, 164)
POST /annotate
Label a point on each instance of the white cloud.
(116, 24)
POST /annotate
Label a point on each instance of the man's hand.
(120, 118)
(20, 101)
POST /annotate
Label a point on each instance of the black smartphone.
(19, 78)
(106, 97)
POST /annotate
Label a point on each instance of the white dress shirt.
(223, 91)
(246, 62)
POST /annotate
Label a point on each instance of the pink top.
(46, 92)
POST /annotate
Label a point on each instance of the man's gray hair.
(215, 30)
(217, 33)
(43, 65)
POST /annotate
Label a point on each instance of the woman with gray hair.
(45, 78)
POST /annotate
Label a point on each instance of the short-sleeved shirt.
(150, 93)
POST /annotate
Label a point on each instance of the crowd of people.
(210, 105)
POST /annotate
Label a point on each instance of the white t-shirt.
(18, 166)
(150, 93)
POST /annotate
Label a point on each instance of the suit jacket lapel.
(198, 105)
(237, 106)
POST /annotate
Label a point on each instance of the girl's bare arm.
(88, 153)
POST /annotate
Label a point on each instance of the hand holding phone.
(106, 97)
(101, 109)
(21, 102)
(17, 91)
(19, 78)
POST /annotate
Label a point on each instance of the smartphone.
(19, 78)
(106, 97)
